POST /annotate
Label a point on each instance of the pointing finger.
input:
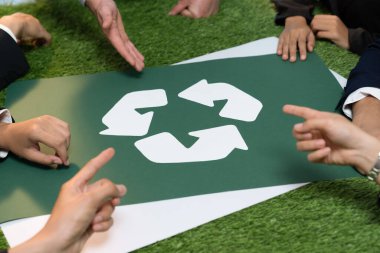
(93, 166)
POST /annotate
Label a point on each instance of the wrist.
(9, 22)
(364, 161)
(295, 19)
(40, 243)
(4, 136)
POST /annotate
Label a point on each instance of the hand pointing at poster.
(81, 209)
(332, 139)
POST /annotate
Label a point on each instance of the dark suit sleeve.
(365, 74)
(13, 63)
(359, 39)
(290, 8)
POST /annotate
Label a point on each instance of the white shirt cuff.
(83, 2)
(7, 30)
(5, 117)
(359, 95)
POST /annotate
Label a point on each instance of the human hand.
(195, 8)
(80, 210)
(23, 139)
(27, 29)
(332, 139)
(109, 19)
(296, 34)
(332, 28)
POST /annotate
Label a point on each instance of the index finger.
(300, 111)
(178, 8)
(93, 166)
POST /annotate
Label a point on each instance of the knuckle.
(21, 15)
(44, 118)
(34, 128)
(199, 14)
(329, 123)
(60, 142)
(66, 125)
(107, 185)
(110, 222)
(65, 186)
(104, 182)
(68, 135)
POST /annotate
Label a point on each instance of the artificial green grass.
(339, 216)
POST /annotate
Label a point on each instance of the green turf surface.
(336, 216)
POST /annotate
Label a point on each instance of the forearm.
(13, 63)
(366, 115)
(38, 244)
(365, 74)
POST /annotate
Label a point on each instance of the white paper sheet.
(139, 225)
(16, 2)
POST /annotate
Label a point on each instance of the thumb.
(187, 13)
(37, 156)
(310, 41)
(105, 18)
(181, 5)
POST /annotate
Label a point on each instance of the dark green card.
(82, 101)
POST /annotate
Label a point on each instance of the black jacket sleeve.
(13, 63)
(290, 8)
(365, 74)
(359, 39)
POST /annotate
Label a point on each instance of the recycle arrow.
(239, 106)
(212, 144)
(123, 119)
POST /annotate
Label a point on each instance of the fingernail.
(122, 188)
(57, 162)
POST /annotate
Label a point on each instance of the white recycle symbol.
(212, 144)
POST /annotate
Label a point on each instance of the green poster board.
(82, 101)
